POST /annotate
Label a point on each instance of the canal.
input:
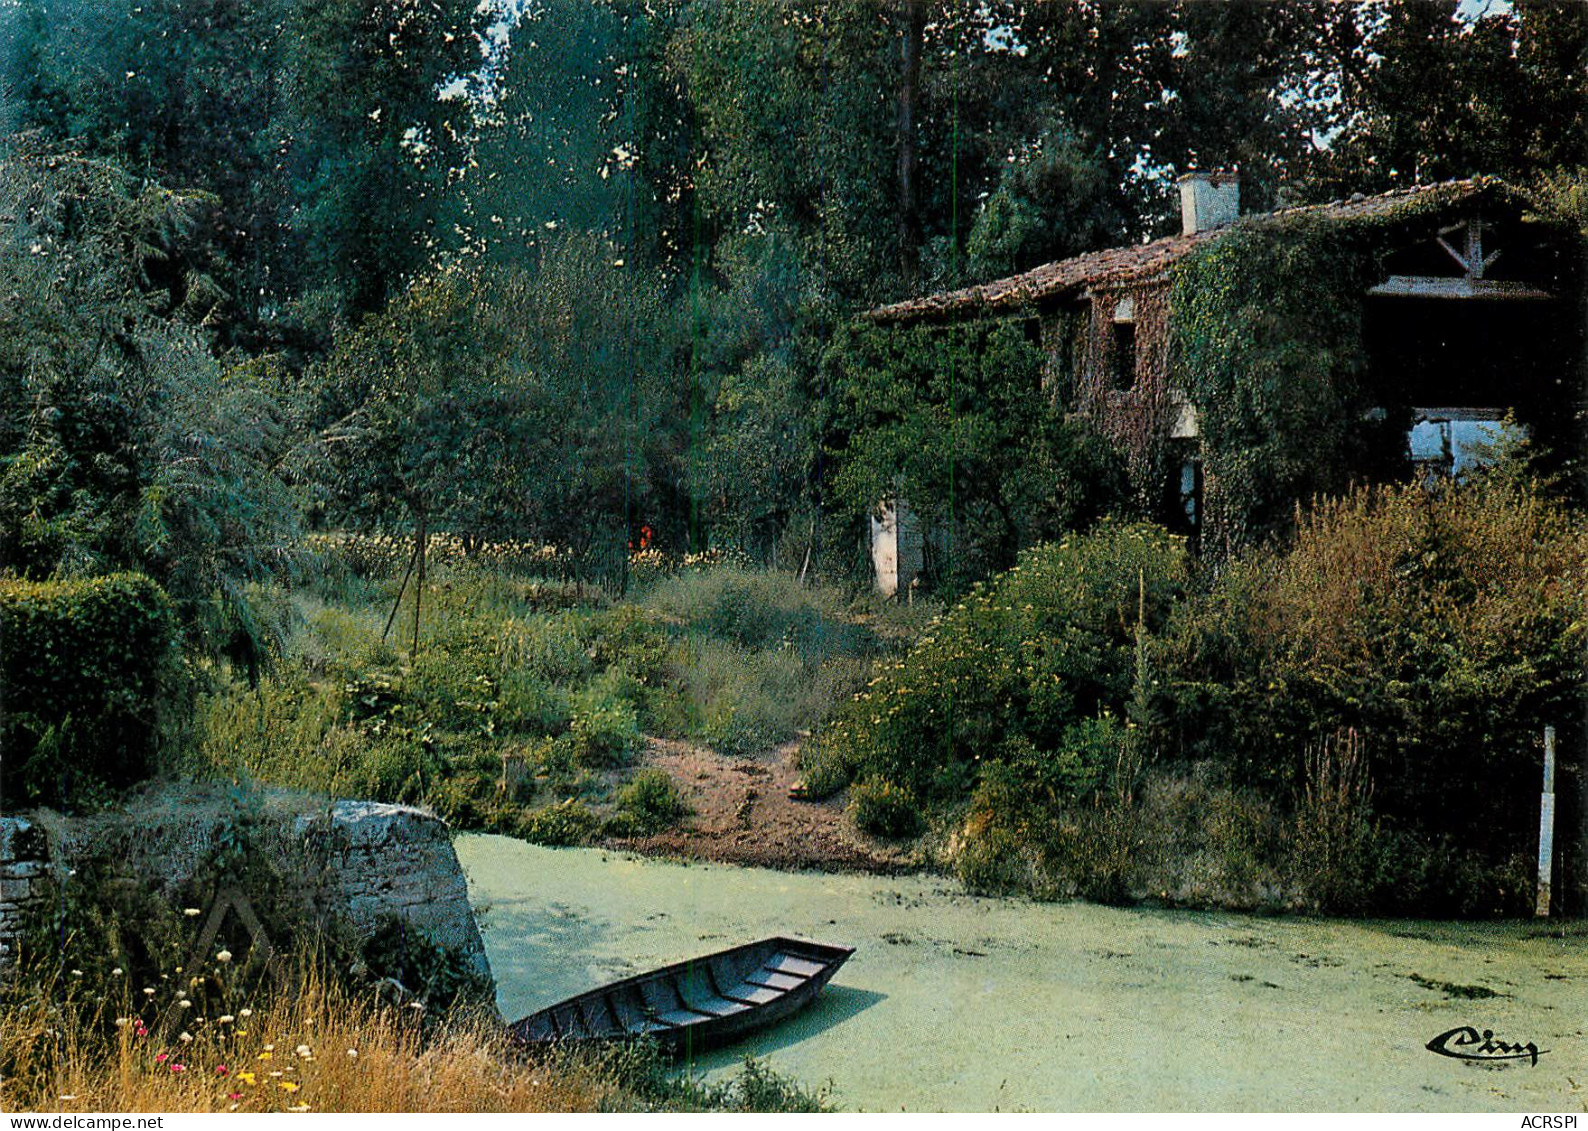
(957, 1002)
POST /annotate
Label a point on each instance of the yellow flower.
(288, 1086)
(246, 1077)
(265, 1056)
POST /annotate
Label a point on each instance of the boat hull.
(694, 1005)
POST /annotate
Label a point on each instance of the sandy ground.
(744, 815)
(957, 1002)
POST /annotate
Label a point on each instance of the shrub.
(279, 731)
(88, 682)
(651, 802)
(528, 704)
(1444, 627)
(567, 824)
(993, 853)
(439, 975)
(1334, 831)
(549, 646)
(885, 809)
(1025, 664)
(605, 728)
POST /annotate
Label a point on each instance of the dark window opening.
(1124, 355)
(1033, 329)
(1182, 498)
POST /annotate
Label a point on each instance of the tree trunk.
(421, 537)
(909, 96)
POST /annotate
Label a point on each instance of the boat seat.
(800, 967)
(700, 994)
(660, 997)
(752, 994)
(717, 1006)
(775, 981)
(682, 1017)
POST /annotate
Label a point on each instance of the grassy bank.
(312, 1042)
(526, 702)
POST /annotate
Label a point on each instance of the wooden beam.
(1445, 286)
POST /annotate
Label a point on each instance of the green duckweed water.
(957, 1002)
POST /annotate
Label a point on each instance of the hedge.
(85, 672)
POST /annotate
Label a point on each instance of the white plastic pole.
(1546, 826)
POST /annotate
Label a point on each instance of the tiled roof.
(1121, 265)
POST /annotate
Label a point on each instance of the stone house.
(1472, 312)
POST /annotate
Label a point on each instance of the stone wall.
(394, 860)
(24, 855)
(357, 863)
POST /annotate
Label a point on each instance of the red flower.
(220, 1070)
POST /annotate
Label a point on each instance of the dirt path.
(743, 815)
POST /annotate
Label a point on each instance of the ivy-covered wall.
(1136, 419)
(1266, 337)
(1266, 340)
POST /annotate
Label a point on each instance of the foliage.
(568, 823)
(1444, 626)
(1334, 842)
(90, 681)
(761, 609)
(1267, 338)
(439, 976)
(123, 443)
(1014, 841)
(1030, 671)
(1052, 202)
(883, 808)
(1518, 67)
(651, 802)
(955, 420)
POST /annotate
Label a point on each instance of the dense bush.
(883, 808)
(1446, 628)
(563, 825)
(1031, 670)
(651, 802)
(88, 675)
(1443, 627)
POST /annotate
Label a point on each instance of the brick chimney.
(1208, 200)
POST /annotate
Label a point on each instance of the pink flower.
(220, 1070)
(141, 1031)
(161, 1058)
(178, 1068)
(234, 1095)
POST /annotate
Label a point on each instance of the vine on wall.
(1267, 340)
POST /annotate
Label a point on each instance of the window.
(1124, 356)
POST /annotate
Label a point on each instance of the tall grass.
(521, 679)
(312, 1043)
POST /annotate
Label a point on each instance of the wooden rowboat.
(694, 1004)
